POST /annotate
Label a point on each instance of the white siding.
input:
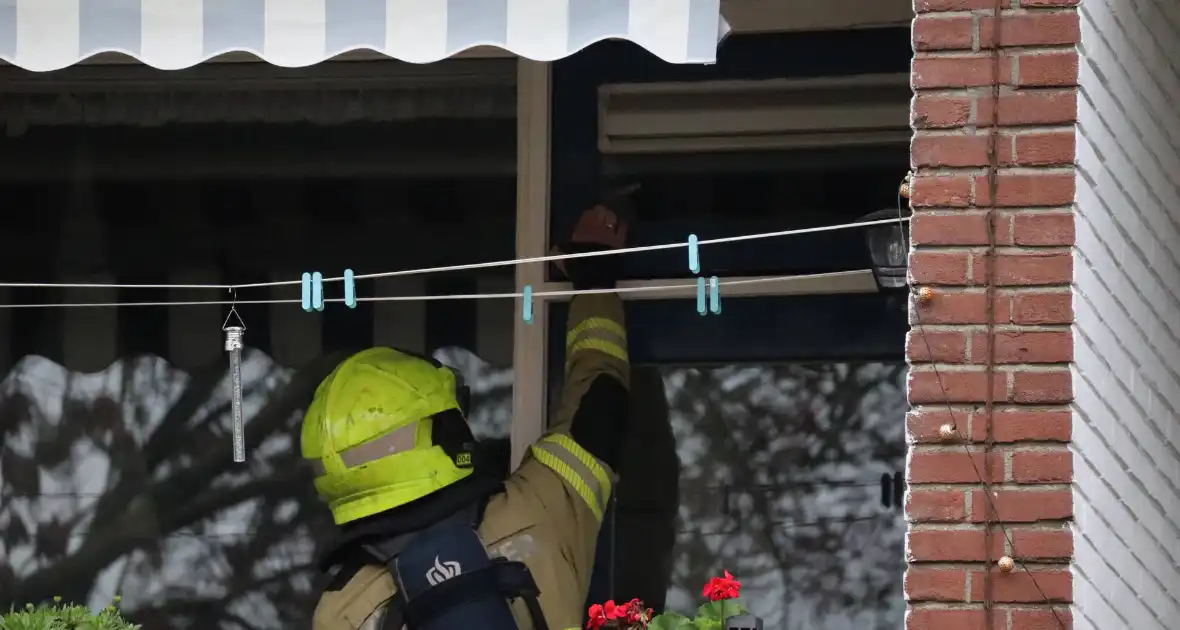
(1127, 307)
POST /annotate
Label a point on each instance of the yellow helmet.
(385, 428)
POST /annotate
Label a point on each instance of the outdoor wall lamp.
(888, 248)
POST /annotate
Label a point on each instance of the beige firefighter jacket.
(552, 507)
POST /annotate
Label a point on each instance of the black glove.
(591, 272)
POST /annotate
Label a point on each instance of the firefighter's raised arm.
(593, 402)
(567, 476)
(585, 432)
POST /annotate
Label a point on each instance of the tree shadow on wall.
(122, 482)
(780, 469)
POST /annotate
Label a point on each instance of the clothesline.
(426, 298)
(428, 270)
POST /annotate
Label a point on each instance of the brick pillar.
(1030, 465)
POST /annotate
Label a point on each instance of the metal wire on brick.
(954, 432)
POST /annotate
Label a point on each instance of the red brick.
(953, 268)
(1027, 346)
(936, 506)
(1042, 387)
(948, 191)
(924, 424)
(941, 346)
(948, 619)
(1003, 307)
(959, 228)
(951, 545)
(951, 306)
(951, 386)
(962, 71)
(930, 111)
(1029, 107)
(943, 32)
(1034, 308)
(1043, 229)
(926, 6)
(1046, 69)
(1040, 466)
(1025, 425)
(1003, 228)
(1040, 28)
(1041, 433)
(1024, 506)
(953, 466)
(1027, 189)
(950, 150)
(932, 584)
(1057, 618)
(1029, 269)
(1018, 586)
(1041, 544)
(1053, 148)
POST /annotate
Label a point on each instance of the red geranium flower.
(611, 609)
(720, 588)
(633, 612)
(597, 617)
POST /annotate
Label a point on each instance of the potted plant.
(722, 593)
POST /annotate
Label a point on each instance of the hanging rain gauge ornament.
(233, 345)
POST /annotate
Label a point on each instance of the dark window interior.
(759, 193)
(755, 329)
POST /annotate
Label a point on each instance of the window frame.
(530, 340)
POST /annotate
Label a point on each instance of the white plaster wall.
(1127, 306)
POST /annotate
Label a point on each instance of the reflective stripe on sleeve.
(595, 323)
(597, 333)
(561, 454)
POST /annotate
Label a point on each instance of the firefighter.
(430, 541)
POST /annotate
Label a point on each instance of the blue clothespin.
(349, 289)
(317, 290)
(701, 308)
(715, 295)
(694, 254)
(306, 285)
(528, 304)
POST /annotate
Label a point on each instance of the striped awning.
(42, 35)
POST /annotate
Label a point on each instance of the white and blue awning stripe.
(43, 35)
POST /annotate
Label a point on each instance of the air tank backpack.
(447, 581)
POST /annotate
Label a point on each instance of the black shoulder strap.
(395, 614)
(515, 580)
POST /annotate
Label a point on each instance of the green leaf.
(63, 617)
(670, 621)
(721, 610)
